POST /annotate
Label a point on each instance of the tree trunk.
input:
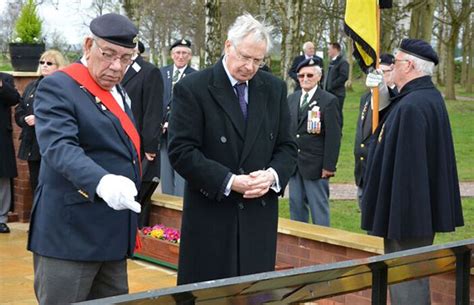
(450, 67)
(290, 12)
(465, 52)
(350, 59)
(470, 70)
(213, 32)
(426, 22)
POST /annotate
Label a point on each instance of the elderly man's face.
(401, 68)
(181, 56)
(106, 62)
(308, 77)
(309, 49)
(243, 60)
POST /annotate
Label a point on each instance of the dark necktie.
(240, 87)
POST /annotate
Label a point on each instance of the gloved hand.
(374, 79)
(118, 192)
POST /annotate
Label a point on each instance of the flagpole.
(375, 91)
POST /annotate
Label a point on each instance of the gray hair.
(424, 66)
(247, 25)
(305, 45)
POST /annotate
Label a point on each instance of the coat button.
(299, 150)
(241, 171)
(263, 203)
(134, 162)
(297, 136)
(241, 205)
(362, 145)
(361, 158)
(271, 135)
(223, 139)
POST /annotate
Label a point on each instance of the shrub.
(28, 25)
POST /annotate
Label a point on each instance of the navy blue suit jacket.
(80, 141)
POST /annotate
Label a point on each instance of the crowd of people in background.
(108, 129)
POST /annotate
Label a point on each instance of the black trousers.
(34, 168)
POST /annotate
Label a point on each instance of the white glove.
(374, 79)
(118, 192)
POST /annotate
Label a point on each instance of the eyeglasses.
(110, 58)
(256, 62)
(308, 75)
(395, 60)
(388, 70)
(48, 63)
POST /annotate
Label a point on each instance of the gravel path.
(349, 191)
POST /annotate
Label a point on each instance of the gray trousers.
(5, 198)
(171, 182)
(309, 194)
(60, 281)
(416, 292)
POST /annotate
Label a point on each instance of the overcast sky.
(67, 17)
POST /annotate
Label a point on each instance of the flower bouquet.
(160, 245)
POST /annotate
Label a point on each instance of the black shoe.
(4, 228)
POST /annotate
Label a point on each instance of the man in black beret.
(382, 80)
(171, 182)
(84, 222)
(315, 123)
(411, 187)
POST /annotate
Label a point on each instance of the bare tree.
(213, 32)
(7, 23)
(457, 14)
(421, 21)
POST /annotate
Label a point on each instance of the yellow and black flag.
(361, 24)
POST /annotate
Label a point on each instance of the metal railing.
(321, 281)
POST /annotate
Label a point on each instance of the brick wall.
(22, 193)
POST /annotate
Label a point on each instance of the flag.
(360, 24)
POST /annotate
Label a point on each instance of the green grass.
(345, 215)
(461, 115)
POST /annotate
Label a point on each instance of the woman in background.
(49, 62)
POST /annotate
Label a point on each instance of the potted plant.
(28, 46)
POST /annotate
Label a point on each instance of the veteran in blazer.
(84, 218)
(230, 139)
(171, 182)
(315, 122)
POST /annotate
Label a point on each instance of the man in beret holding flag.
(411, 188)
(84, 218)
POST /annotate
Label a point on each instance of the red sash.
(81, 74)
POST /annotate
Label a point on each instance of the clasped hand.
(253, 185)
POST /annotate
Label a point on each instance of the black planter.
(25, 56)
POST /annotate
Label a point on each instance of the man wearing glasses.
(411, 188)
(171, 182)
(315, 123)
(229, 138)
(84, 218)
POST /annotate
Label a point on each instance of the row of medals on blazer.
(314, 119)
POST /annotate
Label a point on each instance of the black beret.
(116, 29)
(181, 43)
(307, 63)
(419, 48)
(387, 59)
(141, 47)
